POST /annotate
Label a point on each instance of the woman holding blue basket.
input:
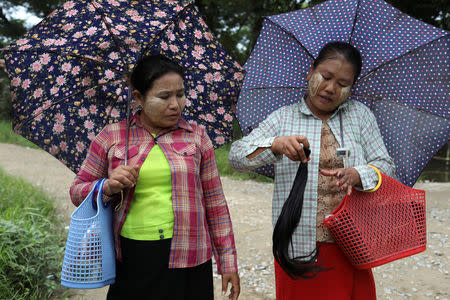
(171, 214)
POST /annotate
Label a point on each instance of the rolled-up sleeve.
(217, 213)
(262, 136)
(375, 153)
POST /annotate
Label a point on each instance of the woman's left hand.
(347, 178)
(235, 290)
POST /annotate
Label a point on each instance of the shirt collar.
(182, 123)
(304, 109)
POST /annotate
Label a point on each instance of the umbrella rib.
(177, 17)
(172, 21)
(65, 54)
(396, 58)
(355, 19)
(293, 36)
(61, 100)
(371, 98)
(398, 102)
(113, 36)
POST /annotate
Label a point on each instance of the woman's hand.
(291, 146)
(347, 178)
(235, 290)
(120, 178)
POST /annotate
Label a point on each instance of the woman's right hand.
(120, 178)
(291, 146)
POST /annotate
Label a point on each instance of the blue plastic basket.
(89, 260)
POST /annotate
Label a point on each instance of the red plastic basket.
(374, 228)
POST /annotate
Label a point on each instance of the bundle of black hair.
(297, 267)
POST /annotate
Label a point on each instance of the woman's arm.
(253, 150)
(94, 167)
(375, 153)
(217, 214)
(218, 218)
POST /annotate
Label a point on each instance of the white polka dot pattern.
(404, 79)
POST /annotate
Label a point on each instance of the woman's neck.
(324, 116)
(147, 125)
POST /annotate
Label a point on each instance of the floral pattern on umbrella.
(68, 73)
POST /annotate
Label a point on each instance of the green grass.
(31, 242)
(8, 136)
(226, 170)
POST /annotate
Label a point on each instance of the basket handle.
(380, 178)
(99, 188)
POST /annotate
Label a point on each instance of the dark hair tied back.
(151, 67)
(347, 51)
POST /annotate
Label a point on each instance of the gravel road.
(422, 276)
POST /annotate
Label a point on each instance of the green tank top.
(150, 216)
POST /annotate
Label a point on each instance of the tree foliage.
(237, 23)
(434, 12)
(10, 28)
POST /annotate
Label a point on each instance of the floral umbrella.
(68, 73)
(404, 78)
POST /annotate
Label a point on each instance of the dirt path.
(423, 276)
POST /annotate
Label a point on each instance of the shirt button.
(161, 236)
(143, 159)
(185, 153)
(160, 231)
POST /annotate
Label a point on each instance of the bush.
(31, 245)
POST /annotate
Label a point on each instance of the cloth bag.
(89, 258)
(374, 228)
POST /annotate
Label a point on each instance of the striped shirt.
(202, 223)
(361, 136)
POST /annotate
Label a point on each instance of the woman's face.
(329, 85)
(163, 103)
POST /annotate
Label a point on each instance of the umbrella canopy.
(68, 73)
(404, 78)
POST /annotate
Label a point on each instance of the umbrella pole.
(118, 206)
(128, 124)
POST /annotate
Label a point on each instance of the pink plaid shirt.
(202, 222)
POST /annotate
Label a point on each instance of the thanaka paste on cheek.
(152, 101)
(314, 83)
(345, 92)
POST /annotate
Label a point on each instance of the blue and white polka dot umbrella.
(404, 78)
